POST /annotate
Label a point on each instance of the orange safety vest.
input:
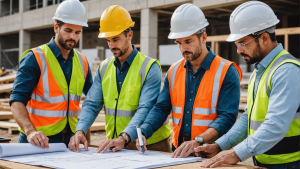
(53, 102)
(206, 101)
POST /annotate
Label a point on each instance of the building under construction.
(25, 24)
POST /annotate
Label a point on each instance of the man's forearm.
(210, 135)
(21, 116)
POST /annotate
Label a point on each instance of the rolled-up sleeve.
(148, 97)
(228, 102)
(27, 78)
(283, 104)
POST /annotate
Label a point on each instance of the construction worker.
(271, 118)
(202, 90)
(127, 84)
(50, 81)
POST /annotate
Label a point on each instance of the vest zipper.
(116, 110)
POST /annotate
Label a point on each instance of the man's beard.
(195, 55)
(257, 55)
(64, 43)
(121, 51)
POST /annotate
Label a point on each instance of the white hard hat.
(249, 18)
(72, 12)
(186, 20)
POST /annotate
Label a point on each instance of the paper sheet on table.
(14, 149)
(125, 159)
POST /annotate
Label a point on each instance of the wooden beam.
(289, 31)
(216, 47)
(286, 42)
(224, 10)
(290, 2)
(219, 38)
(165, 12)
(4, 115)
(213, 46)
(5, 88)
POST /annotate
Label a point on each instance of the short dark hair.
(272, 36)
(59, 23)
(199, 35)
(126, 31)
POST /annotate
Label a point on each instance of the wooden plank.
(10, 126)
(5, 100)
(5, 88)
(242, 106)
(6, 115)
(97, 126)
(289, 31)
(7, 79)
(5, 108)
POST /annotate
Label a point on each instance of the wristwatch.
(199, 139)
(124, 135)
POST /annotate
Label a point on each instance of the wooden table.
(196, 165)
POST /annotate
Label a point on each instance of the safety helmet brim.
(113, 33)
(73, 22)
(234, 37)
(173, 35)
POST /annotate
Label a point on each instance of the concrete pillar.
(149, 24)
(24, 41)
(10, 7)
(21, 6)
(45, 3)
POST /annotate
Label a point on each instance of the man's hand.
(224, 157)
(185, 149)
(207, 150)
(112, 144)
(138, 144)
(78, 138)
(38, 138)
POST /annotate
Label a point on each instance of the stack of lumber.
(6, 84)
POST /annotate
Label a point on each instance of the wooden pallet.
(5, 88)
(6, 115)
(10, 126)
(7, 79)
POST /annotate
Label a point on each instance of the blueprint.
(124, 159)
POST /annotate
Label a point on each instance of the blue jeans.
(292, 165)
(58, 138)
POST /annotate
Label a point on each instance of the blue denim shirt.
(228, 102)
(283, 104)
(28, 74)
(94, 100)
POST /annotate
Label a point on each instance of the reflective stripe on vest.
(205, 103)
(121, 105)
(120, 113)
(274, 65)
(287, 149)
(52, 101)
(203, 111)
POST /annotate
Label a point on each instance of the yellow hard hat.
(114, 20)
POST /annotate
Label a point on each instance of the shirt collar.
(129, 60)
(55, 50)
(207, 62)
(269, 58)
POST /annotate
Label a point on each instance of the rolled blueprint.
(14, 149)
